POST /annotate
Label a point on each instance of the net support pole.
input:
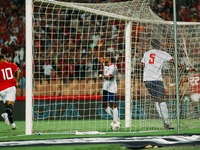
(28, 130)
(176, 67)
(128, 74)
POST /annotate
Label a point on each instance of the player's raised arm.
(192, 69)
(98, 55)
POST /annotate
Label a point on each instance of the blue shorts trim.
(108, 96)
(155, 88)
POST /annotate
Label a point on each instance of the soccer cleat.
(168, 127)
(14, 127)
(5, 117)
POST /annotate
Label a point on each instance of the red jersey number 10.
(152, 58)
(7, 73)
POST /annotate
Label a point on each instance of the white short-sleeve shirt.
(154, 60)
(47, 69)
(110, 85)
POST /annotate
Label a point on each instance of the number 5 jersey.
(154, 60)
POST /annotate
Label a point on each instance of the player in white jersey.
(109, 84)
(154, 60)
(152, 77)
(110, 72)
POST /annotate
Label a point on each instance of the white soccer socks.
(108, 110)
(158, 109)
(115, 114)
(164, 111)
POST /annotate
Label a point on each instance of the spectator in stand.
(20, 38)
(8, 56)
(119, 65)
(82, 68)
(47, 70)
(22, 82)
(89, 69)
(16, 59)
(21, 53)
(38, 73)
(62, 69)
(54, 75)
(8, 42)
(74, 23)
(168, 5)
(71, 70)
(95, 39)
(13, 38)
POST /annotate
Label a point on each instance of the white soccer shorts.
(8, 94)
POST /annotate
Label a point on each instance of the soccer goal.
(64, 92)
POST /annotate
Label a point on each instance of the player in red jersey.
(194, 83)
(8, 86)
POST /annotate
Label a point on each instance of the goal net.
(67, 91)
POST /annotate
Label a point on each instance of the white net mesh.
(67, 91)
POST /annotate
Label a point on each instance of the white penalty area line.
(12, 136)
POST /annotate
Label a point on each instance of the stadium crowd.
(12, 37)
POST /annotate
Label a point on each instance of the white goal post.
(29, 112)
(63, 90)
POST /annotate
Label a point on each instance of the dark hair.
(108, 54)
(155, 43)
(113, 60)
(2, 57)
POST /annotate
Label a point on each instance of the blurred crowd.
(12, 38)
(12, 30)
(187, 10)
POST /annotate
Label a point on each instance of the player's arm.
(187, 68)
(110, 76)
(184, 66)
(107, 77)
(98, 51)
(140, 65)
(18, 76)
(191, 69)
